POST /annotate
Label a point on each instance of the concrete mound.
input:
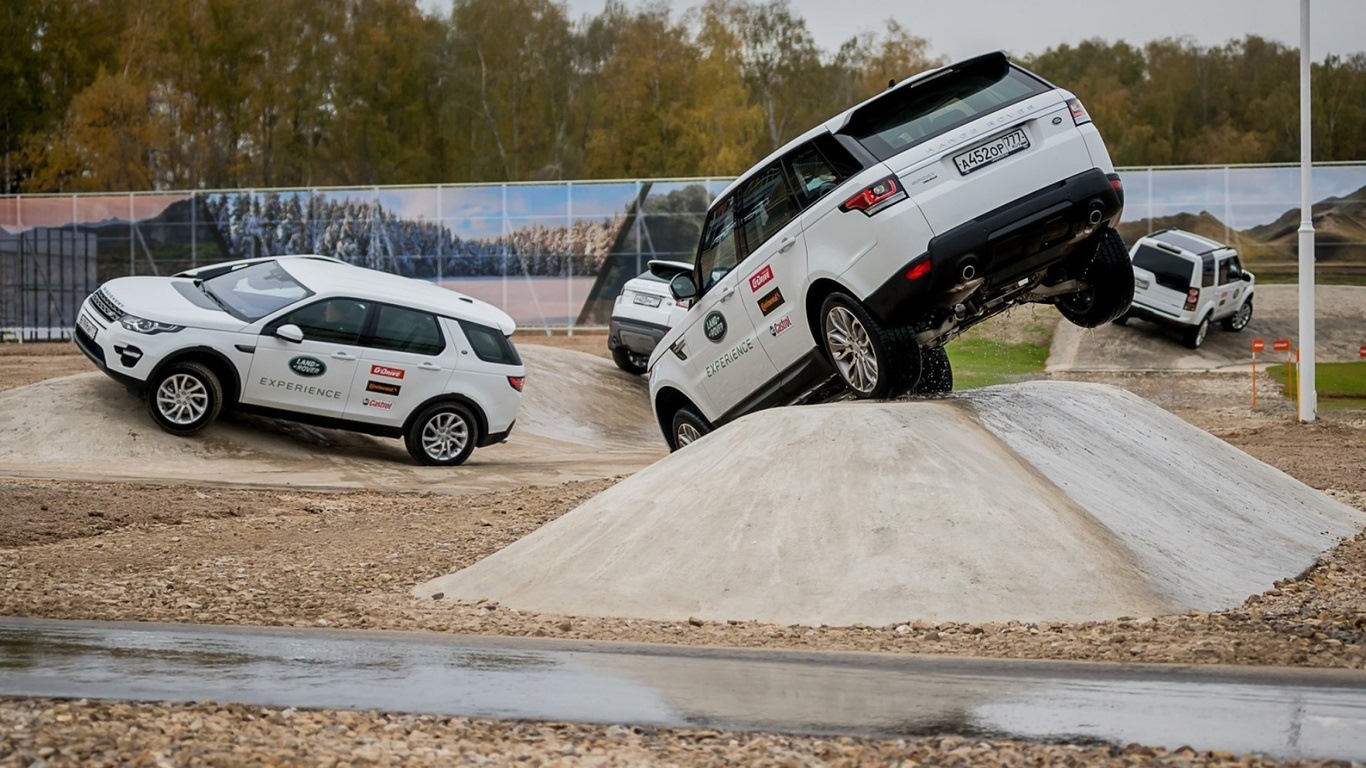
(1038, 501)
(581, 418)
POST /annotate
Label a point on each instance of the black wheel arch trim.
(480, 418)
(232, 384)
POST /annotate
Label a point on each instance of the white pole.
(1308, 395)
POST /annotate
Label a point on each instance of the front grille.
(105, 306)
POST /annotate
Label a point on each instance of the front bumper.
(638, 336)
(119, 359)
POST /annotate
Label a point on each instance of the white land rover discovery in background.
(866, 244)
(1186, 281)
(314, 340)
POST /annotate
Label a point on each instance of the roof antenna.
(891, 83)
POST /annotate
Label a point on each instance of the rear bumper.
(638, 336)
(1002, 246)
(496, 437)
(1185, 319)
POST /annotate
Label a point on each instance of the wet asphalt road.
(1281, 713)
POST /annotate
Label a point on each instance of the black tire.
(688, 427)
(442, 435)
(1110, 277)
(184, 398)
(627, 360)
(1195, 336)
(1122, 319)
(1239, 320)
(872, 361)
(936, 373)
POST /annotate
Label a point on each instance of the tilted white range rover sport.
(314, 340)
(866, 244)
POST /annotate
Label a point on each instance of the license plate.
(1140, 284)
(996, 149)
(86, 325)
(647, 300)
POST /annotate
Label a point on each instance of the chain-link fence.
(554, 254)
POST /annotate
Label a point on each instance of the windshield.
(251, 293)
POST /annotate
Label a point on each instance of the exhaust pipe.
(1095, 216)
(969, 271)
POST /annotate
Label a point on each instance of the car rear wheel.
(936, 373)
(443, 435)
(1194, 337)
(1239, 320)
(874, 362)
(1109, 276)
(184, 398)
(688, 427)
(629, 361)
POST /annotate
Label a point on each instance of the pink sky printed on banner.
(19, 214)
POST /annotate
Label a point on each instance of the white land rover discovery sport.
(866, 244)
(314, 340)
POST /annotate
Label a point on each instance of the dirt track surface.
(195, 552)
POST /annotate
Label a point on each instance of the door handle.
(786, 244)
(429, 367)
(343, 356)
(729, 292)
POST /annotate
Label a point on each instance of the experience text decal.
(304, 389)
(734, 354)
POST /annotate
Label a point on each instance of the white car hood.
(164, 299)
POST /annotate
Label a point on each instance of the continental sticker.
(735, 353)
(303, 389)
(776, 329)
(770, 301)
(384, 388)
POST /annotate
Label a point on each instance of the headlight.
(139, 325)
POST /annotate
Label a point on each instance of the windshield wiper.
(198, 283)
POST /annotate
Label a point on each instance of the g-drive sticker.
(761, 278)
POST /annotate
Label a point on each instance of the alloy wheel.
(445, 436)
(182, 399)
(851, 348)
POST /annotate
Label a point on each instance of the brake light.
(876, 197)
(517, 382)
(1079, 115)
(1192, 298)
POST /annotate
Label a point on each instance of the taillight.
(1079, 115)
(1192, 298)
(919, 269)
(517, 382)
(875, 197)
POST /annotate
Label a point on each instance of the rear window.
(1171, 270)
(910, 115)
(489, 344)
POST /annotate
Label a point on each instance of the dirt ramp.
(973, 508)
(582, 398)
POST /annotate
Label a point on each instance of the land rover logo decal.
(307, 366)
(715, 326)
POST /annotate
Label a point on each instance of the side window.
(819, 167)
(1235, 269)
(489, 344)
(336, 320)
(406, 330)
(1223, 271)
(764, 205)
(717, 253)
(1207, 272)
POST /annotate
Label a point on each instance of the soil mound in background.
(1037, 501)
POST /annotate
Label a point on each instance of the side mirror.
(289, 332)
(682, 287)
(1247, 277)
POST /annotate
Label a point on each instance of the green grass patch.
(1339, 385)
(983, 362)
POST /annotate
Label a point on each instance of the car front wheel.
(1241, 318)
(873, 362)
(443, 435)
(1109, 276)
(184, 398)
(688, 427)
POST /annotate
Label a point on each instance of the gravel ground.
(212, 555)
